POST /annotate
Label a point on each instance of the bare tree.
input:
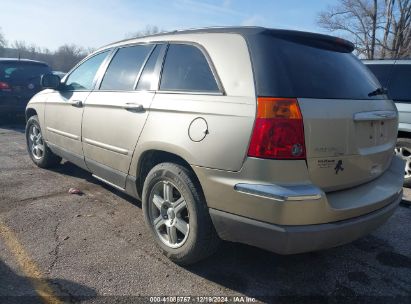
(378, 28)
(67, 56)
(63, 59)
(23, 50)
(149, 30)
(3, 42)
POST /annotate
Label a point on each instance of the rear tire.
(39, 153)
(177, 215)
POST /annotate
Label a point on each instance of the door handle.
(77, 103)
(134, 107)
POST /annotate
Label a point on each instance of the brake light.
(4, 86)
(278, 130)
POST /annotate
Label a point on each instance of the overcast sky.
(93, 23)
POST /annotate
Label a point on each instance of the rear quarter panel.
(229, 129)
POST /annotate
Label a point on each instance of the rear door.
(115, 113)
(64, 109)
(350, 129)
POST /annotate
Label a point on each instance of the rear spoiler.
(326, 42)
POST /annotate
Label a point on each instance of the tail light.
(4, 86)
(278, 130)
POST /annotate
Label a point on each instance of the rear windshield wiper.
(379, 91)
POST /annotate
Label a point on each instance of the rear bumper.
(297, 239)
(278, 193)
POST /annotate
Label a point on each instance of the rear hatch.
(352, 144)
(21, 79)
(350, 126)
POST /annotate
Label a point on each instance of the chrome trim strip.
(375, 115)
(69, 135)
(281, 193)
(107, 182)
(191, 92)
(105, 146)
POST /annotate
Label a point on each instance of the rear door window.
(124, 68)
(186, 69)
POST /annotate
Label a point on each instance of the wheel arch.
(30, 112)
(150, 158)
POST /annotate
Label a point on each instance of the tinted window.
(293, 68)
(399, 87)
(125, 67)
(82, 77)
(17, 72)
(186, 69)
(147, 76)
(382, 71)
(396, 78)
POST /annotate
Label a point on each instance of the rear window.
(22, 71)
(289, 68)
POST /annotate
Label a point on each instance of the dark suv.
(19, 81)
(395, 75)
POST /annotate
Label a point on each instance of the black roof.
(22, 60)
(250, 31)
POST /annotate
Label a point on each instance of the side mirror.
(50, 81)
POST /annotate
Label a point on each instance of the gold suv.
(279, 139)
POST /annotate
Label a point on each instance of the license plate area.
(374, 133)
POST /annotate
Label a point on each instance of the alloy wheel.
(405, 154)
(169, 214)
(36, 142)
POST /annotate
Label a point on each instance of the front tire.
(39, 153)
(177, 215)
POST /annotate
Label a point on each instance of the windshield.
(292, 68)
